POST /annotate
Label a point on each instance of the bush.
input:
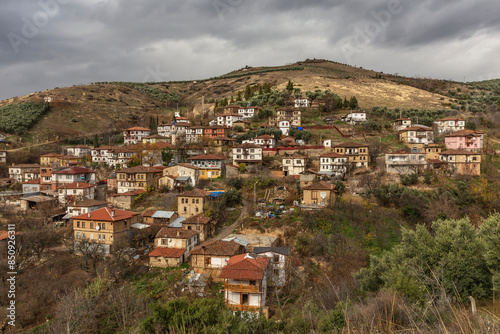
(409, 179)
(19, 117)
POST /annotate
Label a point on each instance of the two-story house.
(100, 154)
(211, 256)
(200, 223)
(170, 174)
(293, 164)
(401, 123)
(416, 135)
(228, 119)
(3, 156)
(449, 124)
(81, 151)
(284, 127)
(176, 237)
(462, 162)
(245, 282)
(84, 206)
(302, 103)
(319, 194)
(405, 162)
(134, 135)
(279, 263)
(153, 139)
(109, 228)
(248, 112)
(194, 134)
(119, 156)
(138, 177)
(355, 117)
(72, 175)
(75, 191)
(333, 164)
(358, 154)
(158, 217)
(211, 166)
(24, 172)
(216, 131)
(265, 141)
(288, 114)
(192, 202)
(247, 153)
(468, 140)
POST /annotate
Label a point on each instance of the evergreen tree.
(96, 141)
(266, 88)
(248, 92)
(238, 97)
(353, 104)
(289, 85)
(346, 103)
(261, 92)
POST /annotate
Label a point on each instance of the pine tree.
(238, 97)
(289, 85)
(266, 88)
(248, 92)
(353, 104)
(261, 92)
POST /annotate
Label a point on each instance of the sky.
(57, 43)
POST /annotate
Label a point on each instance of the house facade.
(176, 237)
(357, 154)
(265, 141)
(293, 164)
(302, 103)
(405, 163)
(279, 263)
(333, 164)
(24, 172)
(107, 227)
(292, 115)
(401, 123)
(76, 191)
(228, 119)
(179, 170)
(211, 256)
(3, 156)
(245, 282)
(200, 223)
(137, 178)
(247, 153)
(319, 194)
(355, 117)
(192, 202)
(134, 135)
(81, 151)
(464, 140)
(449, 124)
(211, 166)
(248, 112)
(462, 162)
(416, 135)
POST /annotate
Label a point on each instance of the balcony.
(244, 288)
(239, 307)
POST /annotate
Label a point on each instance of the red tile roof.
(245, 267)
(35, 181)
(463, 133)
(451, 119)
(416, 128)
(175, 232)
(217, 248)
(264, 137)
(188, 166)
(105, 214)
(137, 128)
(197, 219)
(321, 185)
(208, 157)
(141, 169)
(148, 212)
(350, 144)
(76, 170)
(332, 155)
(167, 252)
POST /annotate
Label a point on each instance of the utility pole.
(255, 192)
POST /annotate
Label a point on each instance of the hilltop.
(106, 108)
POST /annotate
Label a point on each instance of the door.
(209, 175)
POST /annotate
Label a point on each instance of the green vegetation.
(146, 89)
(19, 117)
(418, 116)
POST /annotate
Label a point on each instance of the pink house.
(465, 140)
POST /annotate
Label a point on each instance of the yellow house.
(137, 178)
(357, 154)
(319, 194)
(211, 166)
(107, 227)
(192, 202)
(462, 162)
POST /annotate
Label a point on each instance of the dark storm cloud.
(86, 41)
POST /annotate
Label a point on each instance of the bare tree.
(91, 251)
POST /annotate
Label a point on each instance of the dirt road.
(245, 211)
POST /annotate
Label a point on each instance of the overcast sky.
(56, 43)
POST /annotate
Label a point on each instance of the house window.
(182, 200)
(83, 224)
(91, 225)
(197, 200)
(276, 258)
(196, 209)
(276, 272)
(185, 209)
(163, 241)
(77, 224)
(104, 237)
(253, 282)
(78, 235)
(244, 299)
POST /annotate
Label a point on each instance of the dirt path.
(30, 146)
(229, 229)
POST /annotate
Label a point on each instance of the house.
(200, 223)
(468, 140)
(31, 186)
(177, 128)
(288, 114)
(24, 172)
(107, 227)
(279, 262)
(194, 134)
(405, 162)
(319, 194)
(153, 139)
(358, 154)
(76, 191)
(228, 119)
(302, 103)
(462, 162)
(248, 112)
(59, 160)
(250, 241)
(158, 217)
(167, 257)
(216, 131)
(100, 154)
(211, 166)
(308, 177)
(247, 153)
(81, 151)
(416, 134)
(192, 202)
(449, 124)
(137, 178)
(284, 127)
(245, 282)
(152, 154)
(293, 164)
(172, 173)
(211, 256)
(84, 206)
(3, 156)
(432, 151)
(265, 141)
(232, 109)
(37, 202)
(174, 237)
(354, 117)
(125, 200)
(287, 141)
(120, 156)
(232, 171)
(72, 175)
(244, 124)
(134, 135)
(401, 123)
(333, 164)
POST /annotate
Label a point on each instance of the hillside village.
(215, 197)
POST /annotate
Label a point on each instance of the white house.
(247, 153)
(75, 191)
(302, 103)
(284, 126)
(449, 124)
(355, 117)
(333, 164)
(228, 119)
(248, 112)
(293, 164)
(177, 237)
(80, 151)
(134, 135)
(279, 263)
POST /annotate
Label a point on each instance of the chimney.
(88, 215)
(113, 213)
(178, 233)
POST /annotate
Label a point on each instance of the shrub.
(409, 179)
